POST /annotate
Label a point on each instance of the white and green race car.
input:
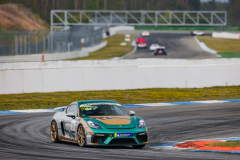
(98, 122)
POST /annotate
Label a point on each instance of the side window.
(73, 108)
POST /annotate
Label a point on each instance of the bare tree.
(105, 4)
(76, 4)
(177, 4)
(53, 4)
(187, 4)
(35, 4)
(84, 4)
(97, 4)
(46, 7)
(124, 5)
(147, 4)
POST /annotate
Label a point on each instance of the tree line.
(43, 7)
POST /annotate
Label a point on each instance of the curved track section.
(178, 45)
(27, 136)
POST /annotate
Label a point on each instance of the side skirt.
(62, 138)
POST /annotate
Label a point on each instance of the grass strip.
(134, 96)
(113, 49)
(221, 45)
(225, 144)
(229, 55)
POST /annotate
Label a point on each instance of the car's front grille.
(142, 138)
(99, 139)
(123, 141)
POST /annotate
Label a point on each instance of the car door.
(70, 122)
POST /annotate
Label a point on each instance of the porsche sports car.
(153, 47)
(98, 122)
(160, 51)
(197, 33)
(145, 33)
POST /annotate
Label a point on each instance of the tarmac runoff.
(199, 146)
(194, 145)
(130, 106)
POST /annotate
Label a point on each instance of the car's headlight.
(141, 124)
(94, 125)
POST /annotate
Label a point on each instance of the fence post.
(4, 51)
(16, 47)
(37, 41)
(44, 42)
(10, 42)
(21, 43)
(25, 42)
(30, 42)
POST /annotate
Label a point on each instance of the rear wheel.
(138, 146)
(54, 132)
(81, 136)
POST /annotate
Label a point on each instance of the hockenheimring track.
(27, 136)
(179, 45)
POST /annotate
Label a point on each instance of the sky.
(216, 0)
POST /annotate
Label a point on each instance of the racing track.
(179, 45)
(27, 136)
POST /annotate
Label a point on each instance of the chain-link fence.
(13, 42)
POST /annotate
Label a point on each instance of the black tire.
(138, 146)
(81, 136)
(54, 132)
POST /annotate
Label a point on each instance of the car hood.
(112, 122)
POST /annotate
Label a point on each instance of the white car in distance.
(197, 33)
(153, 47)
(145, 33)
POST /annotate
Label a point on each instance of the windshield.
(101, 110)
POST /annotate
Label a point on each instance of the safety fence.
(16, 42)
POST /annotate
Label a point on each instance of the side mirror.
(71, 114)
(132, 113)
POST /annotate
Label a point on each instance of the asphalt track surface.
(27, 136)
(179, 45)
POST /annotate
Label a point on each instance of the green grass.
(229, 55)
(222, 45)
(137, 96)
(225, 144)
(113, 49)
(185, 28)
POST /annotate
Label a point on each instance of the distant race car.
(145, 33)
(99, 123)
(197, 33)
(154, 47)
(160, 51)
(139, 40)
(142, 45)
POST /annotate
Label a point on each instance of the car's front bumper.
(107, 137)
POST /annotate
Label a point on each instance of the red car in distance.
(139, 40)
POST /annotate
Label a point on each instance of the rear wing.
(60, 109)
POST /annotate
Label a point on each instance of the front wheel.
(81, 136)
(54, 132)
(138, 146)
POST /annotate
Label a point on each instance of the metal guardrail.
(13, 42)
(64, 18)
